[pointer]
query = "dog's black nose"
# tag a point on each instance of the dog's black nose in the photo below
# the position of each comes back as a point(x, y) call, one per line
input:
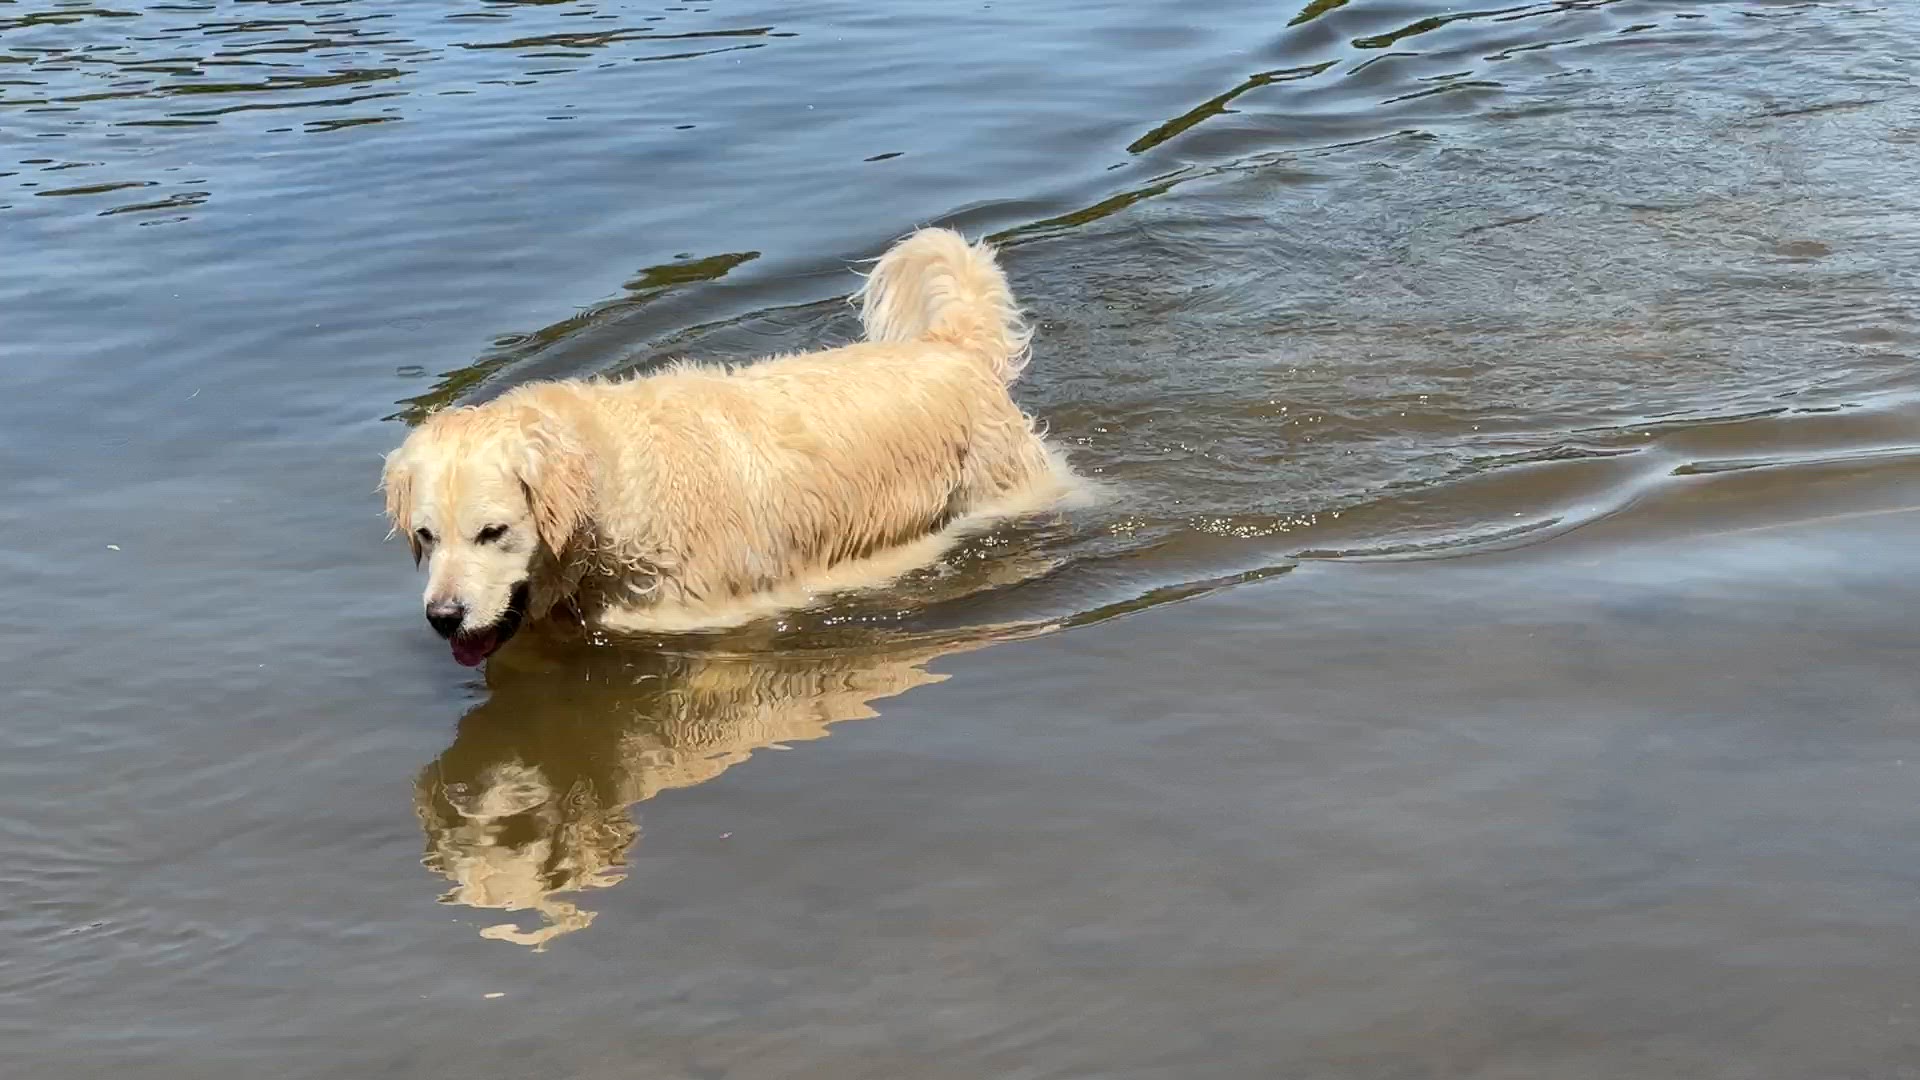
point(445, 616)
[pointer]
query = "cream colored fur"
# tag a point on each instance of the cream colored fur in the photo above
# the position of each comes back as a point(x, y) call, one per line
point(702, 496)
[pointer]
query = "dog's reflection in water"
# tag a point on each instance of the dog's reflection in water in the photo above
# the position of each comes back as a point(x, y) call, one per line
point(531, 802)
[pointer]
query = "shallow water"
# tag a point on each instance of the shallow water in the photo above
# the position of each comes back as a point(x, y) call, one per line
point(1549, 367)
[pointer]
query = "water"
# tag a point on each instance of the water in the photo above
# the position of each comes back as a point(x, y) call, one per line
point(1520, 395)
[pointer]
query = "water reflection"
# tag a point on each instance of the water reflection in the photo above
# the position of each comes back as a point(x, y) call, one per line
point(531, 803)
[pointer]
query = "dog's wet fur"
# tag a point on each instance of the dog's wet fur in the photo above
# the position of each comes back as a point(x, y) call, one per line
point(703, 496)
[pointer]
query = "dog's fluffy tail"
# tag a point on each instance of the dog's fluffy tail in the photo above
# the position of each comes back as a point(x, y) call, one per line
point(934, 286)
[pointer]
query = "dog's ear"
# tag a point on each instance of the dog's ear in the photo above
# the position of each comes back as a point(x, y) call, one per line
point(396, 479)
point(558, 479)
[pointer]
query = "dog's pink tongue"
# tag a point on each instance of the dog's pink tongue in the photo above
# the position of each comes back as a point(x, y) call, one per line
point(470, 651)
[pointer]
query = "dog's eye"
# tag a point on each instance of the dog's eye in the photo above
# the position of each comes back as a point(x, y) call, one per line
point(491, 533)
point(425, 535)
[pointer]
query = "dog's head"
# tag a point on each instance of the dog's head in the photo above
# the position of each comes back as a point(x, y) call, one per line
point(482, 495)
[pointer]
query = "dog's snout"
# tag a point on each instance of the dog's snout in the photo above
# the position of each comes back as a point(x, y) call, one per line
point(445, 617)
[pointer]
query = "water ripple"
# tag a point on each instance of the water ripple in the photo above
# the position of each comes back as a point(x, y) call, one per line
point(86, 75)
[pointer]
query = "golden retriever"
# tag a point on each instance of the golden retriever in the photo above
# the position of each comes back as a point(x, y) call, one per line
point(698, 496)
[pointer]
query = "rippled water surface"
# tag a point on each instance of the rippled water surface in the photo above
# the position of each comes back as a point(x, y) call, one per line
point(1523, 393)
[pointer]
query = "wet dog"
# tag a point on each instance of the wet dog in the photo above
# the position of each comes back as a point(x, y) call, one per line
point(702, 496)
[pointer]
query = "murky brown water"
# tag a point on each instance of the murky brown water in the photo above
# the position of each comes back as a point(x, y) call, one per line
point(1522, 397)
